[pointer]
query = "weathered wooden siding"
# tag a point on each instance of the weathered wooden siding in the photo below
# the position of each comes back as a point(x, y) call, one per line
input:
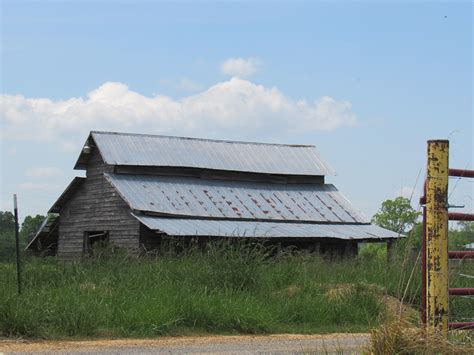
point(96, 206)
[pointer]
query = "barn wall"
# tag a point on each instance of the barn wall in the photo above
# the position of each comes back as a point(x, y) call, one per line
point(149, 240)
point(96, 206)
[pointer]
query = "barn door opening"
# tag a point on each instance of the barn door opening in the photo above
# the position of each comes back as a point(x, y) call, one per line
point(93, 240)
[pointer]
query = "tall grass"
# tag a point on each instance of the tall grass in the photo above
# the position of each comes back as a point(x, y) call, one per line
point(404, 334)
point(221, 288)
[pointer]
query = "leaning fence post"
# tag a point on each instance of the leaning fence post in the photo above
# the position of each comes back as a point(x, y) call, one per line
point(437, 236)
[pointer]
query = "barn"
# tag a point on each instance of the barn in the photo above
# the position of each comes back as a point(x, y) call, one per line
point(140, 188)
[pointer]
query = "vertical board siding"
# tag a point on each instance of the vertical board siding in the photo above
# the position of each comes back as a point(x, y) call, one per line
point(96, 206)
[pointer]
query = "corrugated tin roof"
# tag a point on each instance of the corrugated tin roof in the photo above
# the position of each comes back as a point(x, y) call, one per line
point(194, 197)
point(166, 151)
point(201, 227)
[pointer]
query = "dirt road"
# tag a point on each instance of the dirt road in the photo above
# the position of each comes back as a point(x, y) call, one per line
point(272, 344)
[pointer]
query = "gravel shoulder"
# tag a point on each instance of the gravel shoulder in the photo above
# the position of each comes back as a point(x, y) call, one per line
point(260, 344)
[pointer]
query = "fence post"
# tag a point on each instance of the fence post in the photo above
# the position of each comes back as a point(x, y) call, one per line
point(437, 311)
point(17, 245)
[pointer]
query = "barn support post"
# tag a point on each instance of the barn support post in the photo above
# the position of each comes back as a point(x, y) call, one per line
point(437, 311)
point(317, 247)
point(390, 249)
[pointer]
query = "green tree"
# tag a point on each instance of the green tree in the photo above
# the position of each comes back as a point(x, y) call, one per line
point(396, 215)
point(458, 238)
point(30, 226)
point(7, 221)
point(7, 236)
point(7, 233)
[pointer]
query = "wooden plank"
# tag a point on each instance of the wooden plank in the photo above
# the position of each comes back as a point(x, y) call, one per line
point(96, 208)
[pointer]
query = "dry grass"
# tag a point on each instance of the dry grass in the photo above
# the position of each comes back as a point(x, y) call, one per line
point(402, 331)
point(343, 290)
point(399, 310)
point(400, 337)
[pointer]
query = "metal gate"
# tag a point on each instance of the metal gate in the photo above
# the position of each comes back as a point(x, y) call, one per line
point(435, 254)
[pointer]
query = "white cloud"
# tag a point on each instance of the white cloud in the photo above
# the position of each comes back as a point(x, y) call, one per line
point(43, 172)
point(189, 85)
point(240, 67)
point(226, 109)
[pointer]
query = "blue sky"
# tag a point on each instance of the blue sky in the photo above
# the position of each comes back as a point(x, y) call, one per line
point(366, 82)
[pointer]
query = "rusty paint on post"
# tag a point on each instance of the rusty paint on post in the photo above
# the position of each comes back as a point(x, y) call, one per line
point(437, 311)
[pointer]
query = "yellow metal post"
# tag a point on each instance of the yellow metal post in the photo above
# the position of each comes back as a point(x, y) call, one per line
point(437, 236)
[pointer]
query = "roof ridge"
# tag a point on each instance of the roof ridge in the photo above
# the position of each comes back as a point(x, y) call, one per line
point(202, 139)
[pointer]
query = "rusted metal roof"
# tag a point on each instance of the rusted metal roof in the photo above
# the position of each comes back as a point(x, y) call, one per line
point(167, 151)
point(202, 227)
point(225, 199)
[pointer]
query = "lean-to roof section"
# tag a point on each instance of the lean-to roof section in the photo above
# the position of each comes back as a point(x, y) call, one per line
point(225, 228)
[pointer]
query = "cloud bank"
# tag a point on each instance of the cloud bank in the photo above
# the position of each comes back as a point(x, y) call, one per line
point(229, 108)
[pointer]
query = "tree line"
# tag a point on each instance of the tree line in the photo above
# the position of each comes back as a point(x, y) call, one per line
point(28, 228)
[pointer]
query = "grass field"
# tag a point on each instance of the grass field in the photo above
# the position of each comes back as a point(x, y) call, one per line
point(223, 289)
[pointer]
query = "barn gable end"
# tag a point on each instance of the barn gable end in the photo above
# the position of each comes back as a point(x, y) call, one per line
point(95, 207)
